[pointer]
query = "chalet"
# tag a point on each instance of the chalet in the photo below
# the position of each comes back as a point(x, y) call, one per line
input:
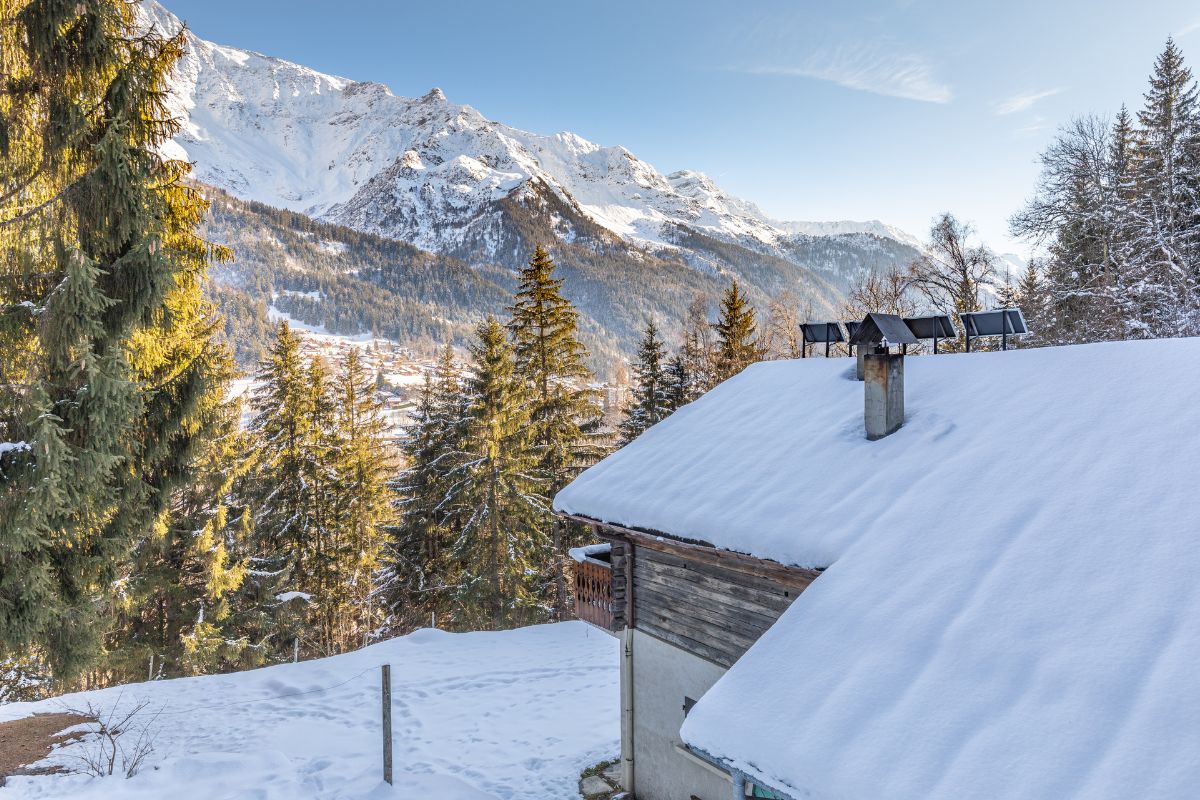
point(992, 595)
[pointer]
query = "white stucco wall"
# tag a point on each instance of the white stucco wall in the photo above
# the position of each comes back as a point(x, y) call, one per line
point(663, 675)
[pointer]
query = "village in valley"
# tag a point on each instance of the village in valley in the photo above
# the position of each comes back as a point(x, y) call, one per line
point(356, 442)
point(399, 372)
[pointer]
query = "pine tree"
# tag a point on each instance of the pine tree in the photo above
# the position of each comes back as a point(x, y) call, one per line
point(177, 600)
point(1166, 270)
point(99, 297)
point(550, 358)
point(681, 387)
point(651, 403)
point(419, 565)
point(364, 498)
point(499, 490)
point(565, 413)
point(736, 347)
point(280, 492)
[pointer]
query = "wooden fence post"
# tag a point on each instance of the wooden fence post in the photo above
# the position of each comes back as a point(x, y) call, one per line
point(387, 722)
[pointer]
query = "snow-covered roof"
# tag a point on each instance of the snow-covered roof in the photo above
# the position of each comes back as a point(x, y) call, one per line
point(1011, 604)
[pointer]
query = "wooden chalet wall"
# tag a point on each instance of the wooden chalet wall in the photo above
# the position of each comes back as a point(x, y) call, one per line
point(712, 604)
point(709, 602)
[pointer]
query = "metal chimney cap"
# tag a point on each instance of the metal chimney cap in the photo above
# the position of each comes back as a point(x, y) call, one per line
point(883, 328)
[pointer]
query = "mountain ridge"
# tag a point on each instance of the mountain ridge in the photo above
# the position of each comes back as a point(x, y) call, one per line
point(331, 139)
point(632, 243)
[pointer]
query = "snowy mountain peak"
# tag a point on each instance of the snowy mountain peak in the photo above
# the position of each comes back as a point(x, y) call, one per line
point(426, 170)
point(843, 227)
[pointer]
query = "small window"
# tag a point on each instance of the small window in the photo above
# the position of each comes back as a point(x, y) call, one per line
point(687, 705)
point(754, 790)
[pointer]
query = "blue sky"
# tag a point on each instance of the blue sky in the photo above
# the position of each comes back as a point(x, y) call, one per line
point(853, 110)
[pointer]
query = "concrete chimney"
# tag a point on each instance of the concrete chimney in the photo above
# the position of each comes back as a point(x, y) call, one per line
point(883, 379)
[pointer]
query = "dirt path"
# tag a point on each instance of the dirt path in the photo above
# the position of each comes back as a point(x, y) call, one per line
point(29, 740)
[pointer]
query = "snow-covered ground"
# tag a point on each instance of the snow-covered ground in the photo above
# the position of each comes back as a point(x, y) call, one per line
point(512, 715)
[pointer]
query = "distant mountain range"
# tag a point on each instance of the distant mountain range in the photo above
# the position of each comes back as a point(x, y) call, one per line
point(466, 190)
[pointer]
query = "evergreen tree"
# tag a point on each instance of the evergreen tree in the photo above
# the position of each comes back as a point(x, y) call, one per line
point(736, 347)
point(419, 567)
point(280, 403)
point(681, 387)
point(365, 500)
point(651, 402)
point(1081, 211)
point(177, 601)
point(550, 358)
point(1166, 269)
point(280, 492)
point(107, 356)
point(1031, 299)
point(565, 411)
point(499, 491)
point(320, 548)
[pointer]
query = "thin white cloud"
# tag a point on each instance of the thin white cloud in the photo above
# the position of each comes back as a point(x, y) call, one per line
point(868, 69)
point(1024, 102)
point(1191, 27)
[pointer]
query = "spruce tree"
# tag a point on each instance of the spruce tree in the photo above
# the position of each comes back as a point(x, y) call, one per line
point(280, 404)
point(99, 297)
point(1166, 268)
point(681, 386)
point(1031, 298)
point(651, 402)
point(279, 492)
point(499, 491)
point(736, 347)
point(177, 600)
point(364, 498)
point(406, 582)
point(420, 565)
point(550, 359)
point(565, 413)
point(320, 548)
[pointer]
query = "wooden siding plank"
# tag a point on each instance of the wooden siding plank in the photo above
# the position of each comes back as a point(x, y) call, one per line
point(751, 624)
point(729, 573)
point(734, 593)
point(722, 656)
point(684, 592)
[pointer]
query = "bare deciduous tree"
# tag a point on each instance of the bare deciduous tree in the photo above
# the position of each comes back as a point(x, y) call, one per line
point(781, 336)
point(952, 273)
point(888, 293)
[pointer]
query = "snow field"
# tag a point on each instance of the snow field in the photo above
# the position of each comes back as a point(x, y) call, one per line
point(511, 715)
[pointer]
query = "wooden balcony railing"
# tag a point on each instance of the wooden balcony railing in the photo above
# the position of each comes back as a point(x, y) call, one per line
point(593, 587)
